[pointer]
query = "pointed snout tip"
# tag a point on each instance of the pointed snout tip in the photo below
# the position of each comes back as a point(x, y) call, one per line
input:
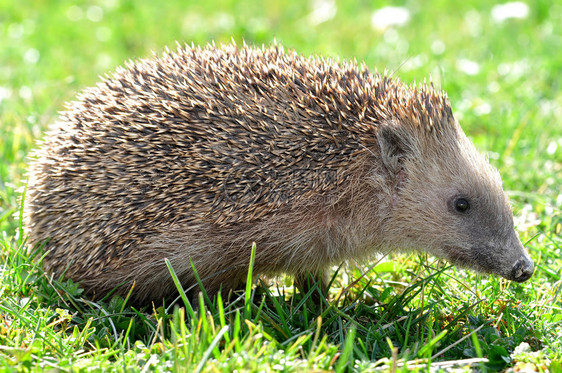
point(522, 269)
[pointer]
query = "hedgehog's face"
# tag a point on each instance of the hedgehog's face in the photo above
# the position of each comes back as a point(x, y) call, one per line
point(472, 224)
point(452, 205)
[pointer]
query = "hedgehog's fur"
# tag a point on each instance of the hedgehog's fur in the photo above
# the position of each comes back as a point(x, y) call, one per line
point(195, 155)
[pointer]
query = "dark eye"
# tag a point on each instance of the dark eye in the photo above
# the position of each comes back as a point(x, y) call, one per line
point(461, 205)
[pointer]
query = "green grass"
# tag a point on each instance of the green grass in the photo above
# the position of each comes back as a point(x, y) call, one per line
point(409, 311)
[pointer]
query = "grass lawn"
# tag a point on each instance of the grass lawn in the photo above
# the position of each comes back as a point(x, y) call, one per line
point(501, 67)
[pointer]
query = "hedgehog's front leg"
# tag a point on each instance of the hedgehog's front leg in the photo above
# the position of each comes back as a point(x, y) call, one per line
point(314, 283)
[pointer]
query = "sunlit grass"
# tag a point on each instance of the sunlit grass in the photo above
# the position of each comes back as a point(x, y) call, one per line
point(410, 312)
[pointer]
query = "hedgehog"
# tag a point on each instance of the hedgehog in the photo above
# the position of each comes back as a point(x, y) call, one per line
point(193, 155)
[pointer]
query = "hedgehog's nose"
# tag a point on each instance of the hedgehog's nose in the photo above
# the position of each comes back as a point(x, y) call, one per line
point(522, 269)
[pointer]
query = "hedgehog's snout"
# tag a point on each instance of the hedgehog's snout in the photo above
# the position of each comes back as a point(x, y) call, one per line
point(522, 269)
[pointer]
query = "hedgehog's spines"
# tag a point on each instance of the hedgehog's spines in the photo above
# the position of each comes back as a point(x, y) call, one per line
point(230, 125)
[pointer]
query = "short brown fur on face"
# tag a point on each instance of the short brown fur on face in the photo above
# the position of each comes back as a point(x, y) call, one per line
point(436, 174)
point(194, 155)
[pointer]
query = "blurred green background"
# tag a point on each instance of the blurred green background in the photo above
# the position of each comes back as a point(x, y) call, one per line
point(500, 66)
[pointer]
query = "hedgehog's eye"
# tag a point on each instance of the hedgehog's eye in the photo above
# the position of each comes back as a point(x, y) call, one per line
point(461, 205)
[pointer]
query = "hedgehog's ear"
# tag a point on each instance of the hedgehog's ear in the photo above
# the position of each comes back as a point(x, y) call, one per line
point(394, 147)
